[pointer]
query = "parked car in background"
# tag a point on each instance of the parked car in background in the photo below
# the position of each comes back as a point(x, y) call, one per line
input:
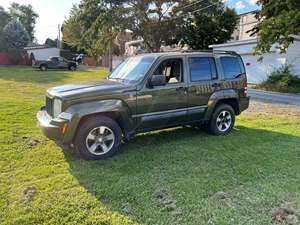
point(55, 63)
point(78, 58)
point(147, 92)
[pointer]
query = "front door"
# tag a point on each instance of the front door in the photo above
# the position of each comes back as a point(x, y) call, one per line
point(162, 106)
point(203, 82)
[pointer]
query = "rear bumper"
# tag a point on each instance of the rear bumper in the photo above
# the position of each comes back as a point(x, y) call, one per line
point(244, 103)
point(52, 128)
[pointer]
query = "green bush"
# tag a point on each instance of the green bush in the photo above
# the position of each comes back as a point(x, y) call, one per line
point(281, 80)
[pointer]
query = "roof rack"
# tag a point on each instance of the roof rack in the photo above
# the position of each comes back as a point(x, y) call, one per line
point(210, 51)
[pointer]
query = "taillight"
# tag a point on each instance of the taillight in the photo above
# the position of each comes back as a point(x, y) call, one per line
point(245, 92)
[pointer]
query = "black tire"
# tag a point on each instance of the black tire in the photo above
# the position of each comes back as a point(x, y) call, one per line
point(213, 126)
point(72, 68)
point(43, 67)
point(88, 126)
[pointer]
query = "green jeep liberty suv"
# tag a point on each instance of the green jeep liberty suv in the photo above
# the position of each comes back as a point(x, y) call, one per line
point(147, 92)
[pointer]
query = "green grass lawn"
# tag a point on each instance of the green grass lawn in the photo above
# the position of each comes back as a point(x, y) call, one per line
point(175, 176)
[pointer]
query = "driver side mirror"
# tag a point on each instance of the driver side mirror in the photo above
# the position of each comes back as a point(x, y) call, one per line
point(157, 80)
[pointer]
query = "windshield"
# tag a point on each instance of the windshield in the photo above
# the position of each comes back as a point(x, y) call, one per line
point(132, 69)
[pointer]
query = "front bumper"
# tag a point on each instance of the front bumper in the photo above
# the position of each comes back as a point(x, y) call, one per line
point(52, 127)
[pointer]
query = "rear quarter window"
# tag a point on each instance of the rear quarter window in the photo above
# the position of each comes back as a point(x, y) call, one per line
point(232, 67)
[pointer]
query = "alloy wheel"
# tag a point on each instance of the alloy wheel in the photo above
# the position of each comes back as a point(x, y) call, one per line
point(100, 140)
point(224, 121)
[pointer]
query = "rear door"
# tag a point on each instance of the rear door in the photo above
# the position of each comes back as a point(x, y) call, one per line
point(203, 82)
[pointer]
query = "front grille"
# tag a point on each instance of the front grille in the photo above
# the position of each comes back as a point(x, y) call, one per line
point(49, 105)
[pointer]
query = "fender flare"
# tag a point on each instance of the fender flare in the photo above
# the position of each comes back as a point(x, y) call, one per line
point(216, 97)
point(113, 106)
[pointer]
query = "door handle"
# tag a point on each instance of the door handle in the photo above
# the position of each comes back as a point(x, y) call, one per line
point(184, 89)
point(216, 85)
point(180, 89)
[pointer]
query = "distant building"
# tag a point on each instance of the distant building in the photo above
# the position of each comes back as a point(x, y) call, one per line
point(246, 22)
point(244, 44)
point(42, 52)
point(258, 71)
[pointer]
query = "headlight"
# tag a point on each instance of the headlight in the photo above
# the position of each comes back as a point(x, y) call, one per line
point(57, 107)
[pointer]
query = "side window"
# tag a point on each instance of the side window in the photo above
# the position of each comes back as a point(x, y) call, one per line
point(172, 69)
point(202, 68)
point(54, 60)
point(231, 67)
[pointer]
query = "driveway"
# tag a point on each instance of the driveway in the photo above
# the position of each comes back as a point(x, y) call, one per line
point(273, 97)
point(270, 103)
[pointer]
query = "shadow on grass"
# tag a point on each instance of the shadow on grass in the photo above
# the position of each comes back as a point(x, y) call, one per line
point(187, 162)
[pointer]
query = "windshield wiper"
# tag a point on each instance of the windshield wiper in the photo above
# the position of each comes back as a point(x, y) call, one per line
point(116, 79)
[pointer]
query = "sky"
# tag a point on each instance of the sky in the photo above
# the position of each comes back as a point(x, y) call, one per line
point(54, 12)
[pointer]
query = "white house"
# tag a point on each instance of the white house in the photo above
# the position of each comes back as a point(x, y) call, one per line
point(42, 52)
point(244, 44)
point(258, 71)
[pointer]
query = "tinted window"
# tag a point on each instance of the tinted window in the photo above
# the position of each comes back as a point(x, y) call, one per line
point(203, 68)
point(231, 67)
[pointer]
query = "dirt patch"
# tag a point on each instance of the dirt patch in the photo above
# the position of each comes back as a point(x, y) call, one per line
point(29, 193)
point(31, 142)
point(286, 214)
point(268, 108)
point(168, 203)
point(224, 198)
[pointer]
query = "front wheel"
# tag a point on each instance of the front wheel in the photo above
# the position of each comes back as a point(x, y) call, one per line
point(98, 138)
point(222, 120)
point(43, 68)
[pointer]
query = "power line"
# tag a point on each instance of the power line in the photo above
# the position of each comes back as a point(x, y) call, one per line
point(197, 10)
point(186, 6)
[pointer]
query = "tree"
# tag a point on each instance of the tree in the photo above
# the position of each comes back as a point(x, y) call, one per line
point(4, 18)
point(51, 43)
point(15, 35)
point(278, 20)
point(72, 31)
point(156, 21)
point(25, 15)
point(95, 24)
point(213, 26)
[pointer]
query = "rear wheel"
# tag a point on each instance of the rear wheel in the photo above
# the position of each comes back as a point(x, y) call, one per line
point(72, 68)
point(222, 120)
point(98, 138)
point(43, 67)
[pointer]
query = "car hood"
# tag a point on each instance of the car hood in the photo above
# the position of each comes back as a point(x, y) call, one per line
point(87, 89)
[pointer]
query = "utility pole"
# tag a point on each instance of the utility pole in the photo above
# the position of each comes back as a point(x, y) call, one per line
point(58, 39)
point(110, 56)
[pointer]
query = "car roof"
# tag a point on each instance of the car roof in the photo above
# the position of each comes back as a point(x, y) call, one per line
point(189, 53)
